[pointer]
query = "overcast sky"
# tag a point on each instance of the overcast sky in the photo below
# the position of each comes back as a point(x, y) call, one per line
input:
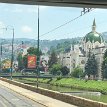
point(23, 18)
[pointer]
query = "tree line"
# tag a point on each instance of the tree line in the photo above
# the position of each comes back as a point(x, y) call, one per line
point(91, 66)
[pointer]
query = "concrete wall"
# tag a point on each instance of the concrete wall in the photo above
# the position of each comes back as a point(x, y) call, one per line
point(81, 102)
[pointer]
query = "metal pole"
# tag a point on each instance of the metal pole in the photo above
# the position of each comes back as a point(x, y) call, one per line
point(12, 54)
point(38, 49)
point(22, 54)
point(1, 58)
point(22, 45)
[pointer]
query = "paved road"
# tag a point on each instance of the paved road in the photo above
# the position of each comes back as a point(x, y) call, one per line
point(41, 99)
point(8, 98)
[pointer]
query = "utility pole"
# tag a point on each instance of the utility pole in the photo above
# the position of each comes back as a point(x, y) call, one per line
point(12, 54)
point(22, 47)
point(38, 50)
point(11, 66)
point(1, 57)
point(22, 54)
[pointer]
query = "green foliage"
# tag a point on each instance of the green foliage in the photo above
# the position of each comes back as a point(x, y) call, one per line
point(105, 72)
point(25, 61)
point(105, 54)
point(64, 45)
point(53, 59)
point(77, 72)
point(20, 61)
point(33, 51)
point(30, 51)
point(55, 69)
point(59, 77)
point(91, 67)
point(6, 70)
point(59, 72)
point(65, 70)
point(91, 85)
point(104, 65)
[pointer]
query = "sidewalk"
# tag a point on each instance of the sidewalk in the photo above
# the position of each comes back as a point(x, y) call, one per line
point(44, 100)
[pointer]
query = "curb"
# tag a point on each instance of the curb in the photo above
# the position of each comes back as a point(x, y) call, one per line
point(25, 95)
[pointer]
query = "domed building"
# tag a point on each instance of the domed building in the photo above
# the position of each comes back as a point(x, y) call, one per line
point(92, 42)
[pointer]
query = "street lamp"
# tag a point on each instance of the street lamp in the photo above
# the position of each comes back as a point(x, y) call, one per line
point(10, 28)
point(1, 51)
point(1, 48)
point(1, 57)
point(11, 66)
point(38, 50)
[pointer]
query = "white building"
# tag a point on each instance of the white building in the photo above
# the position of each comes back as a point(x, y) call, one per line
point(78, 55)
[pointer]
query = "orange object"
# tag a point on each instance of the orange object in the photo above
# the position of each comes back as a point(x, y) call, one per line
point(31, 61)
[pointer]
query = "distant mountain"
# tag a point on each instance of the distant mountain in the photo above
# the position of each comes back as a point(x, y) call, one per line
point(104, 34)
point(43, 43)
point(62, 45)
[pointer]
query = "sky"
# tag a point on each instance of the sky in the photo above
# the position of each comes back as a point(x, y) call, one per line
point(24, 20)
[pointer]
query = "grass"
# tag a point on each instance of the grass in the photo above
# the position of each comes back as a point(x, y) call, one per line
point(91, 85)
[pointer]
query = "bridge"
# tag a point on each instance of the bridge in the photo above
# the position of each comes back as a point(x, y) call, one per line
point(9, 98)
point(71, 3)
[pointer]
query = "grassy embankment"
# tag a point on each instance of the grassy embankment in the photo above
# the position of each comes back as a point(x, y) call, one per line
point(91, 85)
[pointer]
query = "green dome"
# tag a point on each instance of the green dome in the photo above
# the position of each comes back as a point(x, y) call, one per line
point(93, 37)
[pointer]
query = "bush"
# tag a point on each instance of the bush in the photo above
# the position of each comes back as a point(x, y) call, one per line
point(59, 78)
point(6, 70)
point(78, 72)
point(55, 70)
point(65, 70)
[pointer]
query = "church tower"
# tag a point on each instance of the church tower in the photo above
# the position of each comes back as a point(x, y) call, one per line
point(94, 26)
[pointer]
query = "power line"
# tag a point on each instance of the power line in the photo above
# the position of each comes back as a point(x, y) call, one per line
point(68, 22)
point(60, 26)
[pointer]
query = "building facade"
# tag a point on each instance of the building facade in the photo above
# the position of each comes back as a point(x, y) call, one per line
point(92, 42)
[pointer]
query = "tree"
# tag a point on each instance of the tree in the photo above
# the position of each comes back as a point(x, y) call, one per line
point(104, 73)
point(52, 48)
point(65, 70)
point(20, 61)
point(55, 69)
point(30, 51)
point(77, 72)
point(104, 65)
point(91, 67)
point(25, 61)
point(33, 51)
point(53, 59)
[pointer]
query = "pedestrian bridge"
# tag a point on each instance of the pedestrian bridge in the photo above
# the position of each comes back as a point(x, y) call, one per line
point(42, 96)
point(73, 3)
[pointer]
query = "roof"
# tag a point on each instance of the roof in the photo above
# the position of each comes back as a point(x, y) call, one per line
point(71, 3)
point(93, 37)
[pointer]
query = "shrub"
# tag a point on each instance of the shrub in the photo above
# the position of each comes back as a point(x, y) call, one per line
point(59, 78)
point(78, 72)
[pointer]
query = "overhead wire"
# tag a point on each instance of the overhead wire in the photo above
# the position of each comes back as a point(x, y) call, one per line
point(86, 28)
point(65, 23)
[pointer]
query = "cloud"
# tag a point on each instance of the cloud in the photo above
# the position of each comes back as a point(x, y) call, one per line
point(26, 29)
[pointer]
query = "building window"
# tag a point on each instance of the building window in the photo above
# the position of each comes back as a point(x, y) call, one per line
point(82, 62)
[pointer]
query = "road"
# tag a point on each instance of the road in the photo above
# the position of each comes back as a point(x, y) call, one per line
point(9, 98)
